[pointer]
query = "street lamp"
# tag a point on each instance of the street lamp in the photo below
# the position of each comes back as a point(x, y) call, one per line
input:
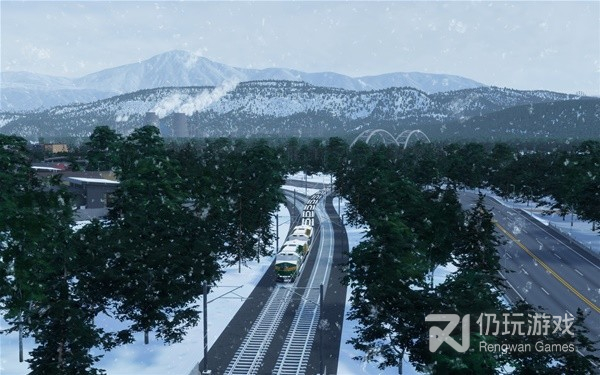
point(530, 193)
point(513, 194)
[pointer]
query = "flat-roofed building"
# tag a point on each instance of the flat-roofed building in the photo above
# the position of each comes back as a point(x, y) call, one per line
point(56, 148)
point(91, 193)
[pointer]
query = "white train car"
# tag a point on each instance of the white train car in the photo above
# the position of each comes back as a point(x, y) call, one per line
point(289, 260)
point(294, 251)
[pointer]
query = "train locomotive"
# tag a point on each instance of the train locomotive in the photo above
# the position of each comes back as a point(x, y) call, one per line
point(295, 249)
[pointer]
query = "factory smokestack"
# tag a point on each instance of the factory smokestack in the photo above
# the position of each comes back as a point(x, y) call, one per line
point(180, 125)
point(151, 119)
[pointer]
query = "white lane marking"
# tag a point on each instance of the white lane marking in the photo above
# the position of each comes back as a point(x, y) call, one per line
point(556, 255)
point(537, 224)
point(576, 270)
point(511, 286)
point(545, 291)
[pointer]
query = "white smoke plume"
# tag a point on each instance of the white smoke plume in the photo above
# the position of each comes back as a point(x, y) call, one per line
point(122, 118)
point(181, 103)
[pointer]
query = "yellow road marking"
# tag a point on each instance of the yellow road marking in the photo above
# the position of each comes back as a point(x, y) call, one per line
point(550, 270)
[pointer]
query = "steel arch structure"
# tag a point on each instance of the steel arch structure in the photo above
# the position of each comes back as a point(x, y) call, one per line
point(404, 137)
point(401, 140)
point(368, 134)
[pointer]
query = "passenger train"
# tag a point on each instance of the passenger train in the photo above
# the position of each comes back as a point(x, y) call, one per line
point(296, 248)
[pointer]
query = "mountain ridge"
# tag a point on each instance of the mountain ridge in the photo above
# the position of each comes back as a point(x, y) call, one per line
point(29, 91)
point(287, 108)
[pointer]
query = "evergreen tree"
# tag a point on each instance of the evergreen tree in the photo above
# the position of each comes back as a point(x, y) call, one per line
point(475, 289)
point(102, 149)
point(159, 263)
point(410, 233)
point(40, 269)
point(587, 158)
point(582, 360)
point(248, 180)
point(335, 152)
point(466, 164)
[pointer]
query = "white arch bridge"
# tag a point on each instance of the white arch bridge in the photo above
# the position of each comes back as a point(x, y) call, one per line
point(387, 138)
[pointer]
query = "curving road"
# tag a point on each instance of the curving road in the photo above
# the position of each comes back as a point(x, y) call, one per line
point(545, 268)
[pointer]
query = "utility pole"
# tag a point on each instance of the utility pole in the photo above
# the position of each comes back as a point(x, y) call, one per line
point(206, 371)
point(305, 184)
point(20, 337)
point(277, 232)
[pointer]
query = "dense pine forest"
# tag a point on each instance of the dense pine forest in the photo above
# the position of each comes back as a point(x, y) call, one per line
point(183, 210)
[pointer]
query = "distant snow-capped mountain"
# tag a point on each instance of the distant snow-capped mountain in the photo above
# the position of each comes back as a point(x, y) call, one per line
point(27, 91)
point(289, 108)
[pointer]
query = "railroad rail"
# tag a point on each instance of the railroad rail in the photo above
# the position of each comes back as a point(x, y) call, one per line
point(294, 356)
point(295, 353)
point(248, 358)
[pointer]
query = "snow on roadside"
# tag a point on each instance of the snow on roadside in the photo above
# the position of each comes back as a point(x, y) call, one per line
point(301, 191)
point(318, 178)
point(347, 365)
point(156, 357)
point(580, 231)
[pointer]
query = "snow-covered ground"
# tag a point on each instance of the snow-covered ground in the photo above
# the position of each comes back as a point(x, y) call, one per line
point(347, 365)
point(319, 178)
point(157, 358)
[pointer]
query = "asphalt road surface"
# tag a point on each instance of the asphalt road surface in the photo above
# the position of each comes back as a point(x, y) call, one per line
point(543, 267)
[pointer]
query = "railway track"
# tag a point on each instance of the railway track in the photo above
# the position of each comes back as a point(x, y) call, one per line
point(295, 353)
point(248, 358)
point(294, 356)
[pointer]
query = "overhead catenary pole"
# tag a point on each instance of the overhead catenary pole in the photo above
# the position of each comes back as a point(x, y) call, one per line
point(21, 337)
point(340, 209)
point(239, 234)
point(205, 321)
point(277, 232)
point(305, 184)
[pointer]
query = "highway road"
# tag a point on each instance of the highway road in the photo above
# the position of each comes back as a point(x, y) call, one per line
point(545, 268)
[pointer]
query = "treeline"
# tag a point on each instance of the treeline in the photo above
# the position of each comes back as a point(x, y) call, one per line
point(564, 177)
point(408, 201)
point(183, 210)
point(178, 216)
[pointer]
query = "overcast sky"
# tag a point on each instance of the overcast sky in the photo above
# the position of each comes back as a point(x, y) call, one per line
point(524, 45)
